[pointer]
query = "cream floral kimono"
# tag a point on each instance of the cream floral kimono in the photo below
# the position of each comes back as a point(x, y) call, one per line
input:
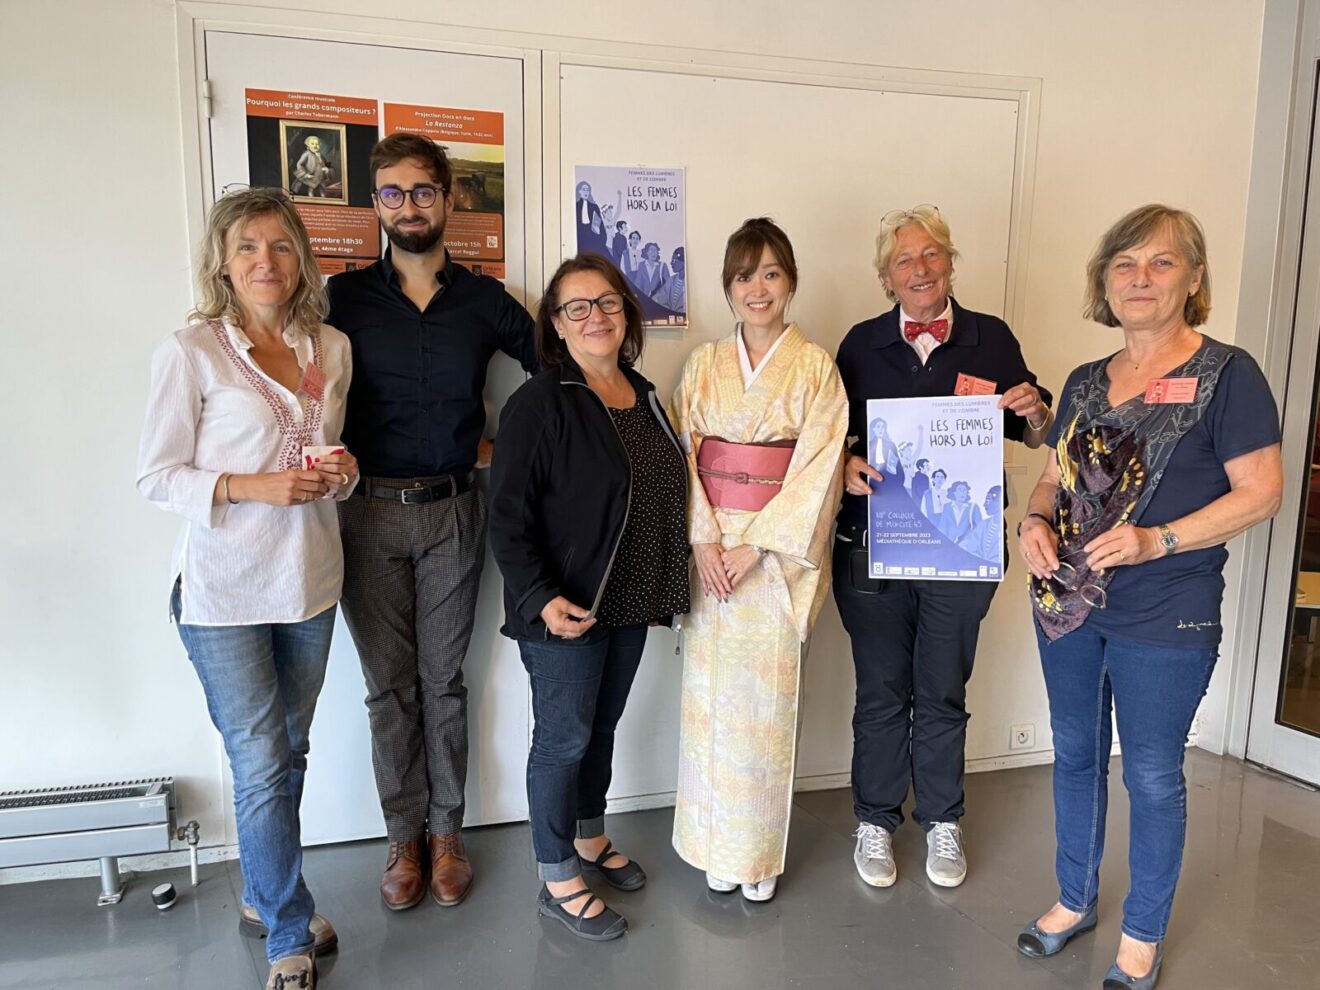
point(742, 659)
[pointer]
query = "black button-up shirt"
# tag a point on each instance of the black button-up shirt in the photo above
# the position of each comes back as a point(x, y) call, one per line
point(415, 404)
point(875, 362)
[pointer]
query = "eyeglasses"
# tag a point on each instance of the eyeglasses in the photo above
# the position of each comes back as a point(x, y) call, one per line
point(1092, 594)
point(925, 211)
point(578, 310)
point(393, 196)
point(234, 187)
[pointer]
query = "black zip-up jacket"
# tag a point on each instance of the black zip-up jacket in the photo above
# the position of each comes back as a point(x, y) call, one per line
point(560, 487)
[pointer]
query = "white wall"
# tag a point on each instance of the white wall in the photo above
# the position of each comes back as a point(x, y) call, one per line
point(1139, 102)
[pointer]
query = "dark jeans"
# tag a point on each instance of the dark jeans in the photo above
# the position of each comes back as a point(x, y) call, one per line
point(1154, 692)
point(411, 574)
point(579, 690)
point(913, 645)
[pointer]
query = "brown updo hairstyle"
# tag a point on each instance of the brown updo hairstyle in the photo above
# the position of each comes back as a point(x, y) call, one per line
point(742, 253)
point(550, 350)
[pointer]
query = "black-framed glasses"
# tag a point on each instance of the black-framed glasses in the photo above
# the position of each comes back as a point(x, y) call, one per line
point(578, 310)
point(923, 211)
point(422, 195)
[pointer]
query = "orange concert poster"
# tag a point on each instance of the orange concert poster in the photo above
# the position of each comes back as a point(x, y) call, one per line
point(316, 147)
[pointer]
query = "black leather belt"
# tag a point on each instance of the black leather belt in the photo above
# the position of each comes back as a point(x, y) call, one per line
point(415, 491)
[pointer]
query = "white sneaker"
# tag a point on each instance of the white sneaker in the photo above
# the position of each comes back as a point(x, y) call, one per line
point(720, 886)
point(874, 855)
point(760, 891)
point(946, 864)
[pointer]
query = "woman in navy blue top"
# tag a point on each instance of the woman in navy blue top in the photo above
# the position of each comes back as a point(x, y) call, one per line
point(1163, 451)
point(914, 641)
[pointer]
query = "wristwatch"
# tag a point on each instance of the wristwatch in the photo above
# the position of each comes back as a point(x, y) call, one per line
point(1168, 538)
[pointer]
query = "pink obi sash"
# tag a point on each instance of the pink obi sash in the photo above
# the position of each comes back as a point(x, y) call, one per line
point(742, 475)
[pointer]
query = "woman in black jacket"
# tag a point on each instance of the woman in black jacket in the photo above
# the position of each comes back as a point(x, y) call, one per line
point(589, 488)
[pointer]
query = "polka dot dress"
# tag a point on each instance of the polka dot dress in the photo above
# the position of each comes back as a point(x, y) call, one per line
point(649, 579)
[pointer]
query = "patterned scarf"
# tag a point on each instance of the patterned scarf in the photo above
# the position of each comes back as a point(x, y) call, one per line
point(1111, 460)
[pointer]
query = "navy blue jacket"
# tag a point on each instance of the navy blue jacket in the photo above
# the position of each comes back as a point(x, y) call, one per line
point(875, 362)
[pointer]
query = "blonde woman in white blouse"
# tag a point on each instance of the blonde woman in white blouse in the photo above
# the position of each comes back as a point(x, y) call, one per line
point(235, 397)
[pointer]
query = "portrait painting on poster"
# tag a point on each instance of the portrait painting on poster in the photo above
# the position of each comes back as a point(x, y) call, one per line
point(635, 216)
point(938, 515)
point(315, 170)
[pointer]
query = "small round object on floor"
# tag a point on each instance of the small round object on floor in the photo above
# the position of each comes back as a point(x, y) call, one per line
point(163, 896)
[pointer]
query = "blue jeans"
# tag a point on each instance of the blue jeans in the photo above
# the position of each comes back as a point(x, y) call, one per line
point(579, 690)
point(261, 683)
point(1154, 690)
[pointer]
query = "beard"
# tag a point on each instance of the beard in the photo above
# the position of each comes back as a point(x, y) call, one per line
point(415, 241)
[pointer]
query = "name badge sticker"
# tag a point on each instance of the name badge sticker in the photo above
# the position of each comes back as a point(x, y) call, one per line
point(313, 382)
point(971, 385)
point(1163, 391)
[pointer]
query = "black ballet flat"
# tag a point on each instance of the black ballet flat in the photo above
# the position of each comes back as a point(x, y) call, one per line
point(604, 927)
point(629, 876)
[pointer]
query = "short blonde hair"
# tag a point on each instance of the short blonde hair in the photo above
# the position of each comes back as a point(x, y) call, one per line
point(309, 305)
point(926, 217)
point(1136, 229)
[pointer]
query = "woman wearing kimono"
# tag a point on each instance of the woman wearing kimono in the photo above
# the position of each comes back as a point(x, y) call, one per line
point(763, 415)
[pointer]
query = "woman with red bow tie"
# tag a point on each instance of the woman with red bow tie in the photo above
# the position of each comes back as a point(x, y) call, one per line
point(914, 640)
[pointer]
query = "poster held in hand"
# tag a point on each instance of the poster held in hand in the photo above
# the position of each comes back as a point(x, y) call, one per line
point(939, 513)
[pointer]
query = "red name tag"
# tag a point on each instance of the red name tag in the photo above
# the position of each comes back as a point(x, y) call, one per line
point(1161, 391)
point(313, 382)
point(971, 385)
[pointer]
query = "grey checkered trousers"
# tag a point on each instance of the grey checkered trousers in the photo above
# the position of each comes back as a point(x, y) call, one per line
point(411, 575)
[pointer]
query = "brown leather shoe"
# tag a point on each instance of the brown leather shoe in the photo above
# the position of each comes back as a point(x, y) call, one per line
point(251, 925)
point(451, 873)
point(404, 883)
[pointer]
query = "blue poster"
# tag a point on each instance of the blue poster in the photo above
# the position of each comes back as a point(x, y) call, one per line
point(634, 215)
point(939, 513)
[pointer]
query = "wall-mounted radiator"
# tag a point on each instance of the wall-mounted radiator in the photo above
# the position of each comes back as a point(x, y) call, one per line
point(94, 821)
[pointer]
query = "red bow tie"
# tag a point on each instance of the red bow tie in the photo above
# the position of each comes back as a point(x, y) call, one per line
point(939, 329)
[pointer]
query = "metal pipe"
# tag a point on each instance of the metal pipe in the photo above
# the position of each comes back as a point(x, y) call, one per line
point(112, 890)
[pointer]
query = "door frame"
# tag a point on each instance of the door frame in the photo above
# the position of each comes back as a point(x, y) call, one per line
point(1283, 158)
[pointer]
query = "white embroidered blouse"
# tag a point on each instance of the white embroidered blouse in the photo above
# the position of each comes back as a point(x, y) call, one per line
point(213, 410)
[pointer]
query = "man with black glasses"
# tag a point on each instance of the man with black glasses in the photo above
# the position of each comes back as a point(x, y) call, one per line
point(423, 331)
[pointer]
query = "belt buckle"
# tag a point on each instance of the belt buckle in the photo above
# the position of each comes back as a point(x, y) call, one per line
point(415, 490)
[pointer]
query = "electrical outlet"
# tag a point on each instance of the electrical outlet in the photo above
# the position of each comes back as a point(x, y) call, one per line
point(1022, 736)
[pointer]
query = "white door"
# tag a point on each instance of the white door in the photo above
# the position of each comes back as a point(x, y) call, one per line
point(340, 801)
point(1284, 731)
point(803, 155)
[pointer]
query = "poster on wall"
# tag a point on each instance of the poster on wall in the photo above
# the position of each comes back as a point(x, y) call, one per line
point(474, 142)
point(635, 217)
point(939, 513)
point(316, 148)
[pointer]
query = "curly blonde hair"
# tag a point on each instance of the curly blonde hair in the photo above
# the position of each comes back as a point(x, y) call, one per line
point(216, 299)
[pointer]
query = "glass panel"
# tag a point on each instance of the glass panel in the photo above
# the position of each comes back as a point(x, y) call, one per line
point(1299, 683)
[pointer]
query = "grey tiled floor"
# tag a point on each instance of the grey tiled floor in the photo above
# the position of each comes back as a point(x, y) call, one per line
point(1245, 915)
